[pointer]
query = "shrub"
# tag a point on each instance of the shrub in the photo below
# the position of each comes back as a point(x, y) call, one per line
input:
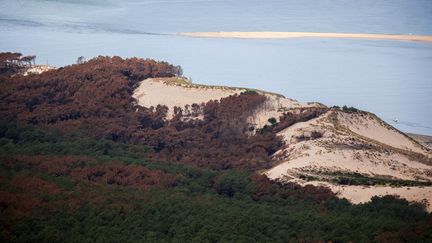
point(349, 109)
point(272, 120)
point(249, 92)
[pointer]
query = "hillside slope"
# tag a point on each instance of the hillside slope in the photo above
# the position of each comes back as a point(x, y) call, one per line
point(110, 150)
point(357, 155)
point(354, 153)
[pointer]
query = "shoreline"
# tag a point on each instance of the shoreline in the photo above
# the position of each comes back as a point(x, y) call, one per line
point(290, 35)
point(425, 140)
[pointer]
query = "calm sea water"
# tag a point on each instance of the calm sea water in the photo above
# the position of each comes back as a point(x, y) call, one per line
point(390, 78)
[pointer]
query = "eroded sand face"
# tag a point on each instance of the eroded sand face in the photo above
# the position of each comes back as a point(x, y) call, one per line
point(274, 107)
point(289, 35)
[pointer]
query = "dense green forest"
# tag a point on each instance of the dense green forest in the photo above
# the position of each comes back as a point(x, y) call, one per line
point(76, 189)
point(81, 162)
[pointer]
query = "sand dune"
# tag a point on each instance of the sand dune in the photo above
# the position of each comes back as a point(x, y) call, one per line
point(353, 143)
point(288, 35)
point(350, 142)
point(181, 92)
point(178, 92)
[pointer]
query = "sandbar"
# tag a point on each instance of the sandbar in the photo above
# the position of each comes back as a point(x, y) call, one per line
point(289, 35)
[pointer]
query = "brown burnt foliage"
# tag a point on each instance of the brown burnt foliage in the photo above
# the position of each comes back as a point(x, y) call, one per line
point(85, 168)
point(119, 174)
point(219, 141)
point(96, 97)
point(27, 194)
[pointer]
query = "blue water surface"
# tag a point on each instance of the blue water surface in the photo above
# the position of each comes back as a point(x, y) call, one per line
point(390, 78)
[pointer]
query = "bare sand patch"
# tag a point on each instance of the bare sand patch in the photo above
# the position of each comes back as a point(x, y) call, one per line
point(38, 69)
point(363, 194)
point(290, 35)
point(370, 127)
point(162, 91)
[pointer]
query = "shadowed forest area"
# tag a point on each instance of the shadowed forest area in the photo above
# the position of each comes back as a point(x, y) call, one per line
point(81, 161)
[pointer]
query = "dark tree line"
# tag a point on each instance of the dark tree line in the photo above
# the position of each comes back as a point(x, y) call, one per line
point(13, 63)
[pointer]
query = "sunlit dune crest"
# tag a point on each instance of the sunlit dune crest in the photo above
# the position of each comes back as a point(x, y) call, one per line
point(288, 35)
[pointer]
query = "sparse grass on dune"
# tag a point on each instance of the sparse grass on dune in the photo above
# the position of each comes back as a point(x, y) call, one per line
point(410, 154)
point(184, 82)
point(354, 178)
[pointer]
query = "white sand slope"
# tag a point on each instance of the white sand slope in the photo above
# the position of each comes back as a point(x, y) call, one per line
point(370, 127)
point(353, 143)
point(178, 92)
point(290, 35)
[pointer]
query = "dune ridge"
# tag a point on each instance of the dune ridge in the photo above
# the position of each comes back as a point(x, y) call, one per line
point(353, 153)
point(289, 35)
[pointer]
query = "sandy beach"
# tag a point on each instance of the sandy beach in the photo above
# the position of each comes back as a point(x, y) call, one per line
point(289, 35)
